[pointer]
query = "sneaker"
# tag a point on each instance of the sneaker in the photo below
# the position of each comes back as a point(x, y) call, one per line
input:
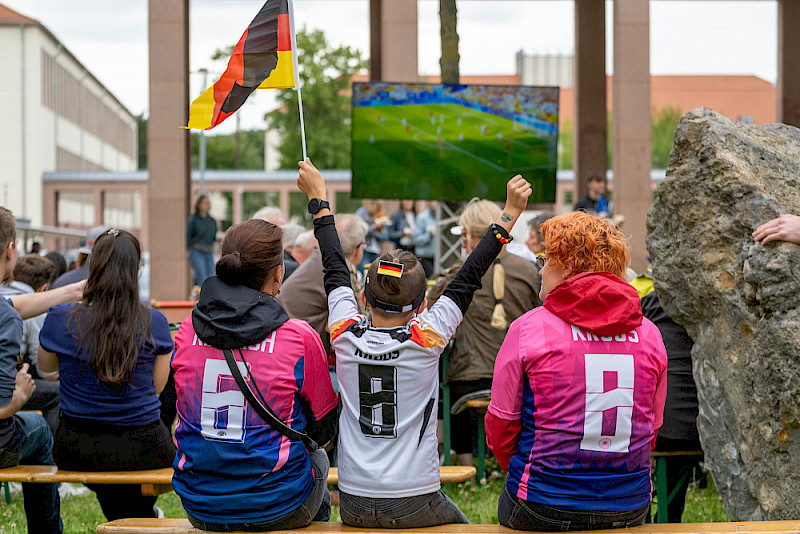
point(158, 511)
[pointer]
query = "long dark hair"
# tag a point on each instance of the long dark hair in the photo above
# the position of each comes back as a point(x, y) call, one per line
point(110, 321)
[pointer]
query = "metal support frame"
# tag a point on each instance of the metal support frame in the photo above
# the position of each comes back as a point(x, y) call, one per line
point(448, 246)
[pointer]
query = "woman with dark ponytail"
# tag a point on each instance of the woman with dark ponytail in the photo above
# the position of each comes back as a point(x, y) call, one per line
point(112, 353)
point(234, 470)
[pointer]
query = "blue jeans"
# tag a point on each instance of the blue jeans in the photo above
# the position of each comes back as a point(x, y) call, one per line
point(33, 444)
point(202, 265)
point(316, 507)
point(426, 510)
point(519, 514)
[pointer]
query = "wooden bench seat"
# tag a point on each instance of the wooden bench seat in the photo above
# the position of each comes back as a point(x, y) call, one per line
point(157, 481)
point(182, 526)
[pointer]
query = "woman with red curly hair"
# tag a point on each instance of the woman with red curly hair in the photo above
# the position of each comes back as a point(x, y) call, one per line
point(579, 389)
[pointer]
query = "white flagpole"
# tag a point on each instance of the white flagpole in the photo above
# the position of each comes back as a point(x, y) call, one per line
point(297, 79)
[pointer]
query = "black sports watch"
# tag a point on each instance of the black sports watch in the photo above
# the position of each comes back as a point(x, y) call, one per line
point(317, 204)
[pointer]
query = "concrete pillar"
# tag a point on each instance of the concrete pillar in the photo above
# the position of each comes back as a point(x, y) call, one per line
point(788, 60)
point(168, 160)
point(393, 40)
point(589, 153)
point(631, 122)
point(98, 200)
point(283, 200)
point(238, 203)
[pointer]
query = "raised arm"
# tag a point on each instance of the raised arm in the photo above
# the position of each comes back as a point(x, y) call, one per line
point(468, 279)
point(311, 182)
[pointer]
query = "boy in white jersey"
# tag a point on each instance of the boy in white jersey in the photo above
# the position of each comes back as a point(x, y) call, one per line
point(388, 368)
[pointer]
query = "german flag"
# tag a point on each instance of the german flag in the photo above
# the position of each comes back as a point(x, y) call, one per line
point(387, 268)
point(262, 59)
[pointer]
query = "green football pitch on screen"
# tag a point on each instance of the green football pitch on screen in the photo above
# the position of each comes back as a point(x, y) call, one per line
point(446, 152)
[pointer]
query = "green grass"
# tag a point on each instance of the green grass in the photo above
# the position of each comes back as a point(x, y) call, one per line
point(428, 158)
point(82, 514)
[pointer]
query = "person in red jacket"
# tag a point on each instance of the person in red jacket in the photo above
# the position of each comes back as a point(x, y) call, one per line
point(579, 389)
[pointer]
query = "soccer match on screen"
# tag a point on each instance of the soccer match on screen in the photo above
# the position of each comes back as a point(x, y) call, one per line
point(453, 142)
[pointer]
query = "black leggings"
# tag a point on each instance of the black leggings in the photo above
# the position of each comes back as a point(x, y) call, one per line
point(85, 445)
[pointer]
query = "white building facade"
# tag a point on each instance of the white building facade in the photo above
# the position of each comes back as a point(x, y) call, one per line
point(58, 117)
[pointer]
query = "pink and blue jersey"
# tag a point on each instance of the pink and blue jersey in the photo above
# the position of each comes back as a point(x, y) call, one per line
point(574, 411)
point(232, 467)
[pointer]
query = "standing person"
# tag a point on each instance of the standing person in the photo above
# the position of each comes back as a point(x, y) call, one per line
point(388, 369)
point(424, 237)
point(59, 266)
point(290, 234)
point(112, 354)
point(201, 234)
point(236, 472)
point(563, 367)
point(508, 290)
point(402, 226)
point(594, 202)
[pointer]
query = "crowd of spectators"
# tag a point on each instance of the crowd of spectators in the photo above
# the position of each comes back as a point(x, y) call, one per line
point(305, 315)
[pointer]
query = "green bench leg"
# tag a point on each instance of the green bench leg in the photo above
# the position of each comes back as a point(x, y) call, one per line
point(662, 491)
point(7, 493)
point(481, 448)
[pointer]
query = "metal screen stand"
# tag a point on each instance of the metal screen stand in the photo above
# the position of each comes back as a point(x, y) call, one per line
point(448, 246)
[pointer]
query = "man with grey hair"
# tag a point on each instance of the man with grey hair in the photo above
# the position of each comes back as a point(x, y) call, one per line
point(290, 234)
point(305, 244)
point(271, 214)
point(303, 296)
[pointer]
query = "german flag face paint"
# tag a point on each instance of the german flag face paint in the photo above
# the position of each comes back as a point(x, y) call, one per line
point(388, 268)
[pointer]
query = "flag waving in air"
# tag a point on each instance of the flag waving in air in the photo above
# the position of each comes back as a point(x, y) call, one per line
point(262, 59)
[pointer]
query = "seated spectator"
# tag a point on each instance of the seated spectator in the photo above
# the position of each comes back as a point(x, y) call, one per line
point(424, 237)
point(679, 432)
point(561, 369)
point(233, 470)
point(31, 275)
point(271, 214)
point(508, 290)
point(784, 228)
point(59, 266)
point(402, 226)
point(377, 232)
point(290, 234)
point(388, 460)
point(112, 354)
point(82, 262)
point(24, 436)
point(303, 296)
point(305, 244)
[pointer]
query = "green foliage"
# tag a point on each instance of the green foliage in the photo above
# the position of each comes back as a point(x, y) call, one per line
point(566, 145)
point(221, 150)
point(325, 74)
point(664, 122)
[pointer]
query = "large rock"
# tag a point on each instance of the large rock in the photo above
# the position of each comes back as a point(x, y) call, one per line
point(739, 300)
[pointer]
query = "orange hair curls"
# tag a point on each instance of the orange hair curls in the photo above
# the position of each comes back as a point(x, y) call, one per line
point(580, 242)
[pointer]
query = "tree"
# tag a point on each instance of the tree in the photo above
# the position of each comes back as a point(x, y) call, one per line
point(325, 75)
point(221, 150)
point(664, 122)
point(448, 16)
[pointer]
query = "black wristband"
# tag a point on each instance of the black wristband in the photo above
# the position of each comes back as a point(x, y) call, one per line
point(500, 233)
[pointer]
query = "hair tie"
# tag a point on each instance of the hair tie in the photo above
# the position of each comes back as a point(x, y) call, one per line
point(237, 254)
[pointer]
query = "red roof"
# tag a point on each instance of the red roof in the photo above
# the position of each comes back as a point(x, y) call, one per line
point(9, 16)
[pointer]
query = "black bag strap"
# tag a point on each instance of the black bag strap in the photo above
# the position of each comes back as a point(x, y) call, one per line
point(261, 408)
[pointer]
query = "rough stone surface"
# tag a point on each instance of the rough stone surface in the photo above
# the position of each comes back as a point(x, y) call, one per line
point(739, 300)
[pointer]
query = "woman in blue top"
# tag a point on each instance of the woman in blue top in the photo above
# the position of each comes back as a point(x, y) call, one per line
point(112, 353)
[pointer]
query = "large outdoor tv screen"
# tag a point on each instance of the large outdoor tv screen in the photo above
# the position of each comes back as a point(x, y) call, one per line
point(453, 142)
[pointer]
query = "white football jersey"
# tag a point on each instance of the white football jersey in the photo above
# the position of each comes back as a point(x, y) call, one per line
point(389, 385)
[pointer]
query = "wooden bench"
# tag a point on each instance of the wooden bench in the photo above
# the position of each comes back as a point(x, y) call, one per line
point(661, 491)
point(182, 526)
point(157, 481)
